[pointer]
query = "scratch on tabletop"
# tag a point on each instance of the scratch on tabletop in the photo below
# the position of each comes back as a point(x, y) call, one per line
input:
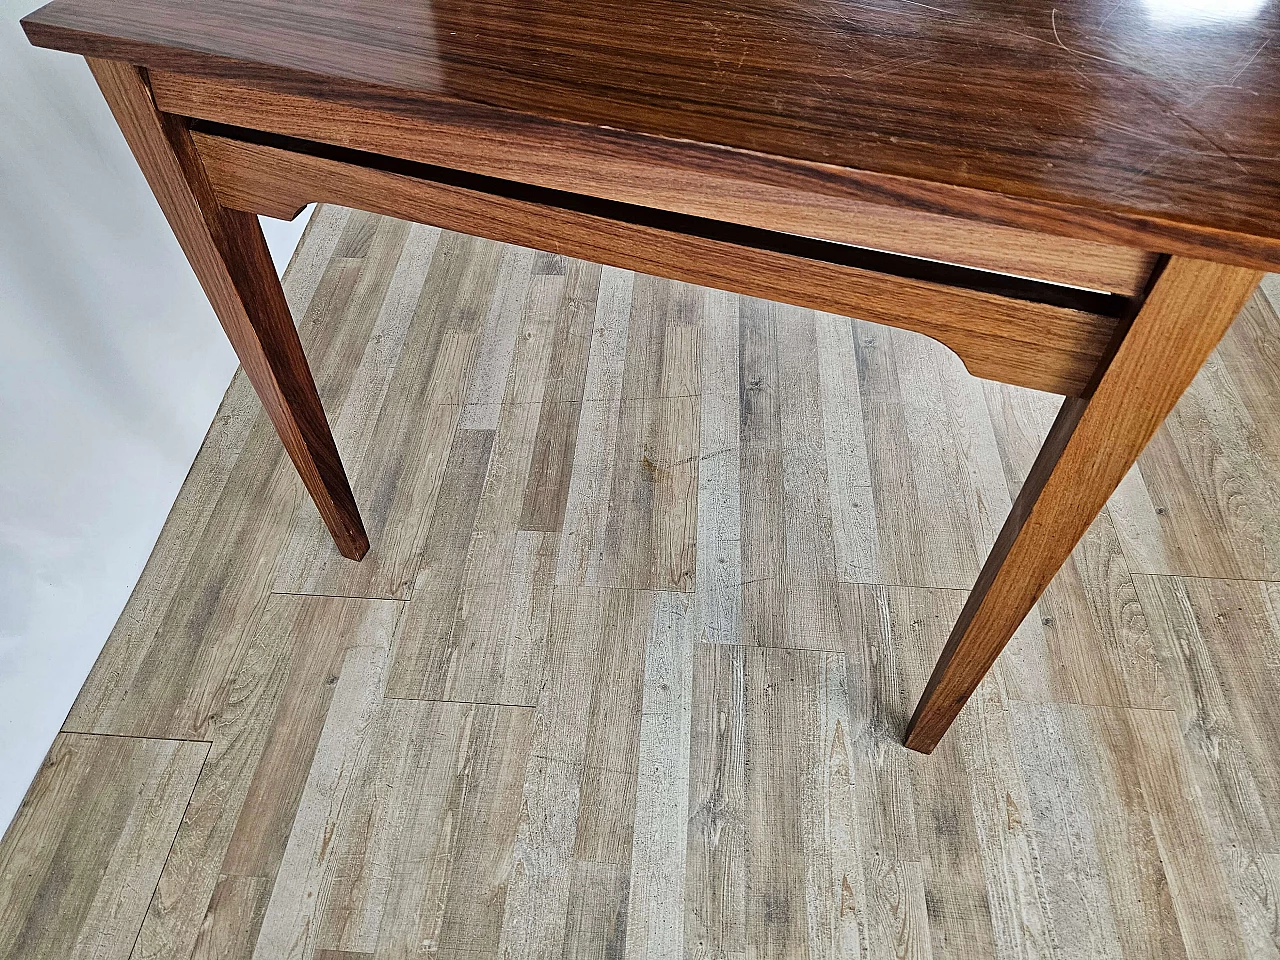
point(1208, 89)
point(1053, 20)
point(882, 70)
point(1236, 76)
point(917, 3)
point(1114, 7)
point(1001, 29)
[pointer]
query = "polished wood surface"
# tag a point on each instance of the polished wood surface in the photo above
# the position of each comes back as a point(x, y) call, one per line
point(229, 255)
point(1118, 120)
point(1045, 346)
point(662, 719)
point(1091, 446)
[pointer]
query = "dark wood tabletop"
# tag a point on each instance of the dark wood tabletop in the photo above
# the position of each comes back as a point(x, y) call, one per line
point(1145, 109)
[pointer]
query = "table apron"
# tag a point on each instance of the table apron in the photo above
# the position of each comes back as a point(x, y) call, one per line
point(1043, 345)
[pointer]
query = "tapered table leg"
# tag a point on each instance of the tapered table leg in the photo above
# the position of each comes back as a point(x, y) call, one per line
point(229, 255)
point(1091, 446)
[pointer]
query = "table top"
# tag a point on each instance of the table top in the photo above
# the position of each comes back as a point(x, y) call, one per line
point(1163, 110)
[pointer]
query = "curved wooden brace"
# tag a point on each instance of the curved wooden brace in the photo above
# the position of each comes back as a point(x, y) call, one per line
point(1019, 339)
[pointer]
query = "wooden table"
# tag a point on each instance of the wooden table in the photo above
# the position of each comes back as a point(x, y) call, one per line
point(1074, 198)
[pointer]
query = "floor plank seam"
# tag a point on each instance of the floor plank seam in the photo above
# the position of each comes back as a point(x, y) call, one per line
point(338, 596)
point(472, 703)
point(896, 586)
point(1198, 576)
point(621, 588)
point(825, 651)
point(1088, 705)
point(172, 843)
point(134, 736)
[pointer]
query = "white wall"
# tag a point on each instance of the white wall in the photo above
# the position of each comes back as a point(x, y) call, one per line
point(111, 367)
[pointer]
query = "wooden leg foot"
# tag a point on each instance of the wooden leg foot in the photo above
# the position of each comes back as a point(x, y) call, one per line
point(230, 257)
point(1091, 446)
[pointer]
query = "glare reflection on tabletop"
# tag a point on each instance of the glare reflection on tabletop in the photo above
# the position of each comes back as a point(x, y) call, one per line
point(1185, 13)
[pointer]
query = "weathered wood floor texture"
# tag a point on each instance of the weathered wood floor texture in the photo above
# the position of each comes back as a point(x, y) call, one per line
point(657, 573)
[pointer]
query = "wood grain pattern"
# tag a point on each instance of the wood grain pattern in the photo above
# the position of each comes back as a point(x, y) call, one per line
point(80, 861)
point(1090, 448)
point(1202, 499)
point(1033, 344)
point(680, 177)
point(598, 770)
point(1011, 112)
point(1089, 619)
point(787, 552)
point(447, 544)
point(452, 775)
point(1217, 637)
point(227, 251)
point(166, 666)
point(918, 469)
point(414, 369)
point(263, 734)
point(547, 490)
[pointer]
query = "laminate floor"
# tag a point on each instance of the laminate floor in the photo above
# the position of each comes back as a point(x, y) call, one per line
point(657, 574)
